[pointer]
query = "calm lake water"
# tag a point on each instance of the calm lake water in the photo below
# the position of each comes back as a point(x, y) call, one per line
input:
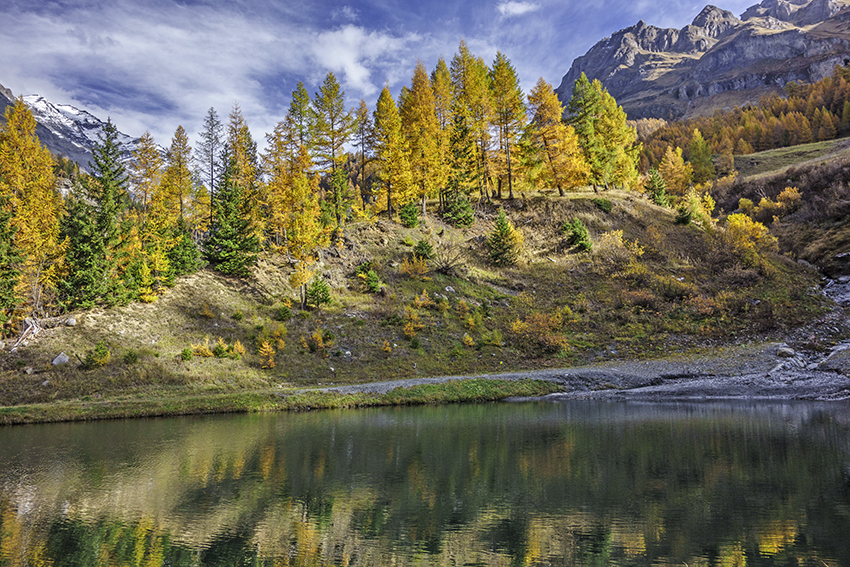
point(575, 483)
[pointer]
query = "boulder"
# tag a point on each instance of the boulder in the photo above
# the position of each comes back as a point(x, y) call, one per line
point(61, 358)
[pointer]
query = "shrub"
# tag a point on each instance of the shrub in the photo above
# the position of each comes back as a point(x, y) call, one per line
point(448, 259)
point(468, 341)
point(492, 338)
point(266, 352)
point(748, 238)
point(541, 331)
point(238, 316)
point(373, 281)
point(656, 188)
point(318, 293)
point(505, 242)
point(187, 354)
point(423, 249)
point(458, 211)
point(603, 205)
point(202, 349)
point(683, 214)
point(131, 357)
point(415, 267)
point(284, 313)
point(577, 235)
point(98, 357)
point(409, 215)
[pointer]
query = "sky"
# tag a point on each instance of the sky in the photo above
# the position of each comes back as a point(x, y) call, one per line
point(152, 65)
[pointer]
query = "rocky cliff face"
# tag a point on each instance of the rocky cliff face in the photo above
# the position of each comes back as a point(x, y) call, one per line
point(719, 60)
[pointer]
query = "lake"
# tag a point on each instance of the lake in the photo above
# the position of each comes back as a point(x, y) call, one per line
point(532, 483)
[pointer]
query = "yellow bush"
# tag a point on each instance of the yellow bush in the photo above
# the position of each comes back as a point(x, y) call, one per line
point(238, 348)
point(203, 350)
point(267, 353)
point(423, 300)
point(748, 238)
point(468, 341)
point(386, 346)
point(462, 308)
point(415, 267)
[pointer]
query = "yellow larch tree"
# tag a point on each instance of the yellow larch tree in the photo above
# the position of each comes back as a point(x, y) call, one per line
point(422, 131)
point(146, 169)
point(392, 152)
point(675, 172)
point(554, 143)
point(29, 184)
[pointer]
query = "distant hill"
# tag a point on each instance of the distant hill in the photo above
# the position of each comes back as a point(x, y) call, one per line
point(65, 130)
point(718, 61)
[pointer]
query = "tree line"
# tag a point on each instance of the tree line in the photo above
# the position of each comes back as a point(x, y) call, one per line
point(123, 232)
point(807, 113)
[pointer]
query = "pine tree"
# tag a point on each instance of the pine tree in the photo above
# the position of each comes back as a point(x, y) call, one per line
point(301, 117)
point(96, 266)
point(609, 143)
point(245, 172)
point(392, 153)
point(504, 244)
point(232, 245)
point(422, 130)
point(27, 182)
point(10, 260)
point(508, 113)
point(700, 156)
point(656, 188)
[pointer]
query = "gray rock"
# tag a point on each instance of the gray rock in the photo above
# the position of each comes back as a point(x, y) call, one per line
point(28, 370)
point(62, 358)
point(785, 352)
point(46, 383)
point(71, 322)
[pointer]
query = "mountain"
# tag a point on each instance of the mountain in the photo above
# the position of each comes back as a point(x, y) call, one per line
point(66, 130)
point(719, 60)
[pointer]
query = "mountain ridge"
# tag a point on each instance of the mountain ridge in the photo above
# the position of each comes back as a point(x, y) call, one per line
point(66, 130)
point(718, 60)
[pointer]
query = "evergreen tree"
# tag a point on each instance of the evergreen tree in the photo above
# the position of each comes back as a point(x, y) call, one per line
point(608, 142)
point(95, 258)
point(207, 151)
point(700, 157)
point(301, 117)
point(245, 172)
point(504, 244)
point(10, 260)
point(508, 114)
point(232, 245)
point(656, 188)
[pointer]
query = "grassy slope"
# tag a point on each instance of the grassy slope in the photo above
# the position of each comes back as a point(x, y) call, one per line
point(817, 231)
point(681, 288)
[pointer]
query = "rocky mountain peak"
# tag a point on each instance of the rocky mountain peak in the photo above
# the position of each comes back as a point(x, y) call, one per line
point(715, 21)
point(668, 73)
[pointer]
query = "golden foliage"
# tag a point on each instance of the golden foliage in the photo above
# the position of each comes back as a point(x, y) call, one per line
point(415, 267)
point(266, 352)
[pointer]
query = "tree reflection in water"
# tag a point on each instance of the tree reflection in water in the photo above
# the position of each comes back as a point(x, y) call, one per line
point(579, 483)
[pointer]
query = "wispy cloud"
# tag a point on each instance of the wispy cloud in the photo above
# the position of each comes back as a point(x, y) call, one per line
point(510, 9)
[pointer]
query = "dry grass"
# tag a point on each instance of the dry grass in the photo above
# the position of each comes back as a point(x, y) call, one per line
point(653, 289)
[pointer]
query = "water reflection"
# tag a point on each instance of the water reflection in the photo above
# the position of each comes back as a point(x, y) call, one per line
point(577, 483)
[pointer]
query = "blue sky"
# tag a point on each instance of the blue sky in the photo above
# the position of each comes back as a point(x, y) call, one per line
point(156, 64)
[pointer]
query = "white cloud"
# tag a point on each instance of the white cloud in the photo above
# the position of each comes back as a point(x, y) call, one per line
point(346, 13)
point(510, 9)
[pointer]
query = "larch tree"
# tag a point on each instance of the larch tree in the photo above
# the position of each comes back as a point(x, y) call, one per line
point(441, 83)
point(207, 151)
point(333, 128)
point(27, 185)
point(277, 165)
point(553, 142)
point(301, 117)
point(178, 181)
point(422, 131)
point(392, 153)
point(509, 115)
point(677, 174)
point(471, 89)
point(364, 141)
point(146, 169)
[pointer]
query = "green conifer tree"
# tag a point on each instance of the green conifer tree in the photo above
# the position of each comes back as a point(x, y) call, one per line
point(504, 244)
point(10, 259)
point(232, 245)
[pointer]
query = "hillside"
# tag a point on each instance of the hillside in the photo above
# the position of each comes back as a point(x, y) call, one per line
point(718, 61)
point(656, 287)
